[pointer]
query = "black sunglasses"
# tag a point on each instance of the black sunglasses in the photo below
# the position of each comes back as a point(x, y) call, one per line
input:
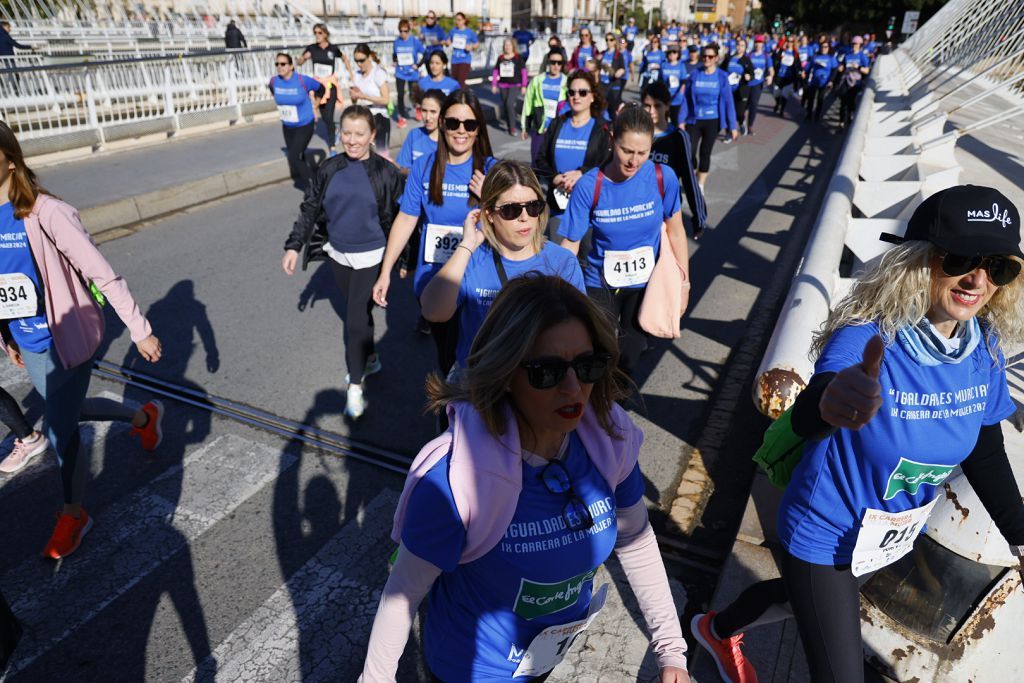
point(360, 61)
point(452, 123)
point(582, 92)
point(1002, 270)
point(514, 210)
point(709, 57)
point(559, 62)
point(283, 64)
point(545, 373)
point(575, 513)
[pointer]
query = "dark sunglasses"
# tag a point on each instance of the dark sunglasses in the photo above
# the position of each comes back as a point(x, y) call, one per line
point(709, 57)
point(582, 92)
point(514, 210)
point(558, 62)
point(282, 64)
point(545, 373)
point(575, 513)
point(1002, 270)
point(452, 123)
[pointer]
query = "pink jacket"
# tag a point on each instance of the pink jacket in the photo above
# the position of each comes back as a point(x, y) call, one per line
point(486, 474)
point(67, 260)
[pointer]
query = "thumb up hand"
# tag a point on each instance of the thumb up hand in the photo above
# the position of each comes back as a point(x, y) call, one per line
point(854, 395)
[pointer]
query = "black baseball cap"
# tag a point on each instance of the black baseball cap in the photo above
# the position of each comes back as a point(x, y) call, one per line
point(966, 220)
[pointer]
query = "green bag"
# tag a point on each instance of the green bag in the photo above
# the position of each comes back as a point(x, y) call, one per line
point(781, 450)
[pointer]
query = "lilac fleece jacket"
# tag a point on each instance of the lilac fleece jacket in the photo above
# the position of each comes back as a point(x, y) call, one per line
point(412, 576)
point(68, 259)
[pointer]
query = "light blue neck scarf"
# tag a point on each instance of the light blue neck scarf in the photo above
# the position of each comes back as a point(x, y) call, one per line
point(925, 345)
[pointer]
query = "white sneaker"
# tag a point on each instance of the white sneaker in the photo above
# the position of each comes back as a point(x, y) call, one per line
point(372, 367)
point(22, 453)
point(355, 405)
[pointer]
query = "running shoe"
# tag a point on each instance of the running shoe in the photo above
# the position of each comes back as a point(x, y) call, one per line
point(744, 130)
point(67, 536)
point(402, 123)
point(355, 404)
point(151, 434)
point(372, 367)
point(733, 667)
point(22, 453)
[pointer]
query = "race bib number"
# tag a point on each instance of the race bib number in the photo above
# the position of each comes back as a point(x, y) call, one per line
point(322, 70)
point(734, 78)
point(673, 82)
point(17, 296)
point(787, 59)
point(550, 109)
point(561, 198)
point(507, 69)
point(758, 74)
point(289, 113)
point(654, 66)
point(459, 41)
point(551, 645)
point(430, 39)
point(405, 59)
point(628, 268)
point(441, 242)
point(886, 537)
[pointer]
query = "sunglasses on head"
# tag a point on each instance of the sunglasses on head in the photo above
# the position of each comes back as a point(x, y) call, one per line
point(575, 514)
point(452, 123)
point(582, 92)
point(1002, 270)
point(545, 373)
point(514, 210)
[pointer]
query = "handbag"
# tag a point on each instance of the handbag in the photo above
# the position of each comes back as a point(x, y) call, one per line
point(662, 305)
point(781, 450)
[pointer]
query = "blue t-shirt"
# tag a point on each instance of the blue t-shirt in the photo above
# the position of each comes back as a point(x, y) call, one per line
point(631, 32)
point(484, 614)
point(655, 60)
point(31, 333)
point(551, 90)
point(416, 144)
point(928, 423)
point(523, 40)
point(762, 62)
point(628, 215)
point(571, 145)
point(821, 68)
point(672, 34)
point(416, 202)
point(433, 37)
point(408, 50)
point(674, 75)
point(460, 56)
point(855, 60)
point(805, 53)
point(481, 284)
point(294, 92)
point(785, 70)
point(584, 54)
point(705, 88)
point(447, 84)
point(735, 71)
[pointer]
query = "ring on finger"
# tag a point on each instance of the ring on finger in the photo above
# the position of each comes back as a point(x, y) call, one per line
point(856, 414)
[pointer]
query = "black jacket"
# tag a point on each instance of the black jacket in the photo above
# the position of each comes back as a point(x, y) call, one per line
point(233, 38)
point(310, 228)
point(748, 73)
point(599, 148)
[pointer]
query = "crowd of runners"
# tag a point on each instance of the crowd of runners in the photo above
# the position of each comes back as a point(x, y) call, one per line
point(541, 285)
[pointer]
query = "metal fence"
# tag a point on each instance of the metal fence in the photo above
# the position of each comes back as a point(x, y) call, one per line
point(898, 152)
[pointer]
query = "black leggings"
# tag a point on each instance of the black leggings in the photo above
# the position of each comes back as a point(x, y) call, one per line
point(622, 306)
point(704, 132)
point(296, 140)
point(12, 417)
point(357, 288)
point(327, 114)
point(402, 85)
point(815, 96)
point(825, 601)
point(848, 102)
point(753, 98)
point(740, 99)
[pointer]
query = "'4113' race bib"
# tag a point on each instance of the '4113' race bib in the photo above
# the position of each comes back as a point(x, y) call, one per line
point(629, 268)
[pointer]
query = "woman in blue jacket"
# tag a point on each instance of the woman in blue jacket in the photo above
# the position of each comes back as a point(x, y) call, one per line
point(710, 107)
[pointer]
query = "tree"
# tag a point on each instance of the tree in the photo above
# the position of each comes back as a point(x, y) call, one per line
point(855, 15)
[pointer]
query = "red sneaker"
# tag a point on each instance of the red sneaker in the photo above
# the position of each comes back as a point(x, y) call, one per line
point(401, 122)
point(67, 535)
point(151, 433)
point(733, 667)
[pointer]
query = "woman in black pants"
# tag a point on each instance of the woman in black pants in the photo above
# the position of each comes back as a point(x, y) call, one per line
point(292, 93)
point(710, 107)
point(358, 193)
point(928, 321)
point(324, 55)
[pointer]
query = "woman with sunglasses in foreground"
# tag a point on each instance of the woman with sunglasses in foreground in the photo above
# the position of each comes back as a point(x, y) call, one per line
point(574, 143)
point(910, 382)
point(625, 202)
point(509, 242)
point(506, 517)
point(441, 189)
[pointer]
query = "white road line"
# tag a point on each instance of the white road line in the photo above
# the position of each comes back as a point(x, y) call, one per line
point(133, 537)
point(315, 626)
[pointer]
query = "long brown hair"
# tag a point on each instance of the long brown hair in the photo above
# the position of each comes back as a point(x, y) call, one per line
point(481, 146)
point(25, 186)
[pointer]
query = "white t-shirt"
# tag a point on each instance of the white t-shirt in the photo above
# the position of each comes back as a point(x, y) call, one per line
point(370, 84)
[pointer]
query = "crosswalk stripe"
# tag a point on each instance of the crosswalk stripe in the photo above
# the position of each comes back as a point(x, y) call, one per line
point(325, 609)
point(133, 537)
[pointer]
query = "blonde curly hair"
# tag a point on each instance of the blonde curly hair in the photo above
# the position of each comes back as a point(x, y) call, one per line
point(896, 294)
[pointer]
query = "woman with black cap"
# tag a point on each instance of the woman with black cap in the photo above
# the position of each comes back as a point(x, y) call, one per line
point(924, 327)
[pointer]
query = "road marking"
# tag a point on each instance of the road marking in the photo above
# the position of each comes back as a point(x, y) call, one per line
point(133, 537)
point(315, 626)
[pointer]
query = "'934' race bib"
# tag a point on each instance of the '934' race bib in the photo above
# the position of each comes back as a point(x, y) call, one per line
point(17, 296)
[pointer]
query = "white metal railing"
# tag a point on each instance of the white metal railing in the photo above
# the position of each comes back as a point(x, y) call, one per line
point(898, 152)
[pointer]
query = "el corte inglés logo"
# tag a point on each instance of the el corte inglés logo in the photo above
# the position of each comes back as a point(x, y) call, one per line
point(909, 475)
point(538, 599)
